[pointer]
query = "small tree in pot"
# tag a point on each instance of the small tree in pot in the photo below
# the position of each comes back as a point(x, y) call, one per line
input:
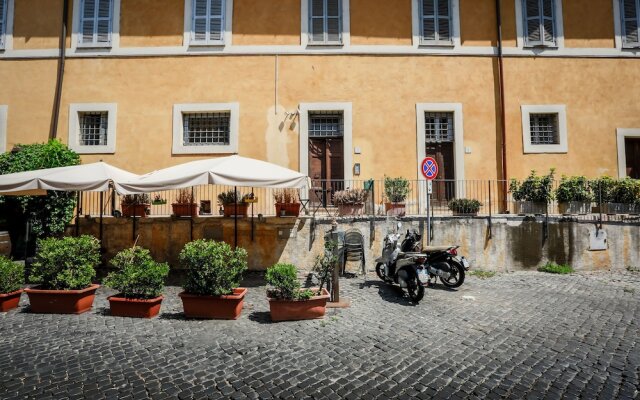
point(625, 195)
point(233, 203)
point(465, 206)
point(135, 205)
point(185, 205)
point(214, 272)
point(533, 195)
point(11, 281)
point(350, 201)
point(287, 204)
point(64, 268)
point(139, 281)
point(396, 191)
point(574, 195)
point(603, 189)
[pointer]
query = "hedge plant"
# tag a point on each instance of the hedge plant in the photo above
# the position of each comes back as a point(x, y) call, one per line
point(604, 188)
point(213, 268)
point(575, 188)
point(66, 264)
point(283, 279)
point(537, 189)
point(626, 191)
point(396, 190)
point(11, 275)
point(465, 206)
point(138, 275)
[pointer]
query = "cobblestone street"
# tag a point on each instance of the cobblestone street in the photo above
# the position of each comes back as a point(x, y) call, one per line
point(517, 335)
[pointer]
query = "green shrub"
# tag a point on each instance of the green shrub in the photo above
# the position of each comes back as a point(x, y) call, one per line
point(396, 190)
point(603, 189)
point(465, 206)
point(483, 274)
point(230, 197)
point(67, 263)
point(11, 275)
point(213, 268)
point(133, 199)
point(138, 275)
point(554, 268)
point(538, 189)
point(626, 191)
point(575, 188)
point(285, 285)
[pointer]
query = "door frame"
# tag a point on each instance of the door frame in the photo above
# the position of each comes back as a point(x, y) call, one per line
point(623, 134)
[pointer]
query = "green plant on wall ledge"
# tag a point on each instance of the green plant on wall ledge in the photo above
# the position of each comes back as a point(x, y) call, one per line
point(465, 206)
point(627, 191)
point(230, 197)
point(575, 188)
point(133, 199)
point(396, 190)
point(603, 189)
point(537, 189)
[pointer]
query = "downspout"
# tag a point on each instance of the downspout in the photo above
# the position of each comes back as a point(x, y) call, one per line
point(503, 123)
point(53, 129)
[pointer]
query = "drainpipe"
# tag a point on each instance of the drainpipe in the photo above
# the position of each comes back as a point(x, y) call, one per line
point(53, 129)
point(503, 123)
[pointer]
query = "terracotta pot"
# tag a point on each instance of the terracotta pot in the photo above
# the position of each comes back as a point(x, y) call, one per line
point(185, 210)
point(290, 209)
point(350, 209)
point(134, 210)
point(214, 307)
point(9, 301)
point(134, 308)
point(396, 209)
point(61, 301)
point(235, 209)
point(295, 310)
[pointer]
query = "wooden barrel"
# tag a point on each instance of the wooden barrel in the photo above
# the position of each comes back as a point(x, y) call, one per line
point(5, 243)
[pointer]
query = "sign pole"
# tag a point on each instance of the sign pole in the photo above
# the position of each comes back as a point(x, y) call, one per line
point(429, 169)
point(428, 213)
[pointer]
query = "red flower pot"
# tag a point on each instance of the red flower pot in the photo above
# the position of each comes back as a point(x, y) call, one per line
point(235, 209)
point(350, 209)
point(214, 307)
point(134, 210)
point(9, 301)
point(61, 301)
point(395, 209)
point(134, 308)
point(295, 310)
point(290, 209)
point(185, 210)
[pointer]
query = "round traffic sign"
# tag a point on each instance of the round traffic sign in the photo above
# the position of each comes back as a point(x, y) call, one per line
point(429, 168)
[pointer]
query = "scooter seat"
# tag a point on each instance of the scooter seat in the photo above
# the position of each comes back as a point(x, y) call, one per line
point(434, 249)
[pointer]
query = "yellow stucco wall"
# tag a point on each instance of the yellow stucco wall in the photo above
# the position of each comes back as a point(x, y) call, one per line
point(381, 22)
point(591, 26)
point(266, 22)
point(508, 14)
point(478, 23)
point(151, 23)
point(37, 24)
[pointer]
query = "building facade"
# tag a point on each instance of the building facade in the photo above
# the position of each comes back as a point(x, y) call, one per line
point(338, 89)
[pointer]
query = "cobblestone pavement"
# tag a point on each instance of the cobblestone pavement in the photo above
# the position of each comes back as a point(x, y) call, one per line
point(517, 335)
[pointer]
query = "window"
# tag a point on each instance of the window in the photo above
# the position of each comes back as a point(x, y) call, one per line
point(4, 7)
point(436, 22)
point(438, 127)
point(325, 21)
point(630, 13)
point(544, 129)
point(326, 124)
point(208, 22)
point(96, 23)
point(539, 22)
point(92, 128)
point(205, 128)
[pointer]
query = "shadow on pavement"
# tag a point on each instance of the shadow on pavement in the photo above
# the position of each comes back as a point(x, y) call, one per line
point(390, 293)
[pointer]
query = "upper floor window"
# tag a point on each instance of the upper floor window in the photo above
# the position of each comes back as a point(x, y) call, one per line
point(436, 22)
point(630, 12)
point(208, 21)
point(96, 23)
point(539, 22)
point(325, 21)
point(4, 5)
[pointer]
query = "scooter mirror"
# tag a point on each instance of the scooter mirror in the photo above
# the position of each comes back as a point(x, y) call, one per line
point(399, 225)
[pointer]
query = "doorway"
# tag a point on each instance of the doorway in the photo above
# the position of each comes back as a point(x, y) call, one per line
point(326, 155)
point(632, 156)
point(439, 144)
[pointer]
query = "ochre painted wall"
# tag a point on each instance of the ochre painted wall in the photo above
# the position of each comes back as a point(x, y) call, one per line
point(151, 23)
point(508, 14)
point(478, 23)
point(266, 22)
point(381, 22)
point(588, 26)
point(37, 24)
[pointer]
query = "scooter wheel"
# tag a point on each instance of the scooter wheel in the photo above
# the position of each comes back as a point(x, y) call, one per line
point(457, 276)
point(380, 271)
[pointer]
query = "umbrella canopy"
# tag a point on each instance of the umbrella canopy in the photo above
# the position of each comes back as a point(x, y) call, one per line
point(230, 171)
point(94, 177)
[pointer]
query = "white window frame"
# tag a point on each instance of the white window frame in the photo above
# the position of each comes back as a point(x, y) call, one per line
point(417, 21)
point(74, 127)
point(619, 31)
point(6, 35)
point(621, 135)
point(521, 39)
point(76, 34)
point(178, 128)
point(306, 31)
point(561, 111)
point(187, 39)
point(4, 111)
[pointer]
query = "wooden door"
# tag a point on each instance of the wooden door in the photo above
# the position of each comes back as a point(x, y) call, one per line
point(444, 185)
point(632, 153)
point(326, 168)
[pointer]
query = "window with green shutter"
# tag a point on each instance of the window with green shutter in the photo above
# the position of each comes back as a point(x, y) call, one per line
point(436, 23)
point(325, 21)
point(630, 13)
point(96, 22)
point(539, 22)
point(208, 20)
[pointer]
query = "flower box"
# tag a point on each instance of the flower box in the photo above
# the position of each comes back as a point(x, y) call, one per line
point(134, 308)
point(231, 210)
point(134, 210)
point(61, 301)
point(9, 301)
point(287, 209)
point(350, 209)
point(185, 210)
point(395, 209)
point(530, 207)
point(214, 307)
point(295, 310)
point(574, 208)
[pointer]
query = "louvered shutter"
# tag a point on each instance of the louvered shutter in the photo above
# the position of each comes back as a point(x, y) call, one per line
point(317, 21)
point(325, 21)
point(429, 20)
point(96, 22)
point(208, 21)
point(539, 22)
point(216, 18)
point(548, 23)
point(436, 21)
point(444, 20)
point(3, 19)
point(333, 21)
point(630, 22)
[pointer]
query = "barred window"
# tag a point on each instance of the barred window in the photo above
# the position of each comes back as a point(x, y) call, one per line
point(93, 128)
point(630, 13)
point(326, 124)
point(544, 129)
point(439, 127)
point(210, 128)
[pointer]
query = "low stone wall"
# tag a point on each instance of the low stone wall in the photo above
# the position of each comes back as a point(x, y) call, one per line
point(512, 243)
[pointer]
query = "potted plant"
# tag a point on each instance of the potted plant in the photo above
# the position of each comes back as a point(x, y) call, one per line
point(233, 203)
point(603, 189)
point(139, 281)
point(574, 195)
point(465, 207)
point(287, 301)
point(135, 205)
point(11, 281)
point(625, 195)
point(287, 204)
point(158, 200)
point(396, 191)
point(350, 201)
point(64, 269)
point(532, 195)
point(185, 205)
point(214, 272)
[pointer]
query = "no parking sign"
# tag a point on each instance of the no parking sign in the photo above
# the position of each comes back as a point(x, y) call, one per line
point(429, 168)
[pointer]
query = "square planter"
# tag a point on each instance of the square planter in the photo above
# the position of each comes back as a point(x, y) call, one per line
point(61, 301)
point(134, 308)
point(9, 301)
point(574, 208)
point(465, 214)
point(395, 209)
point(530, 207)
point(134, 210)
point(295, 310)
point(350, 209)
point(231, 210)
point(185, 210)
point(290, 209)
point(214, 307)
point(616, 208)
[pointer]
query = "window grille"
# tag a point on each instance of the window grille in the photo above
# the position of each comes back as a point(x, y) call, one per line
point(544, 129)
point(325, 21)
point(630, 13)
point(539, 22)
point(326, 124)
point(210, 128)
point(96, 22)
point(4, 4)
point(208, 21)
point(436, 21)
point(439, 127)
point(93, 128)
